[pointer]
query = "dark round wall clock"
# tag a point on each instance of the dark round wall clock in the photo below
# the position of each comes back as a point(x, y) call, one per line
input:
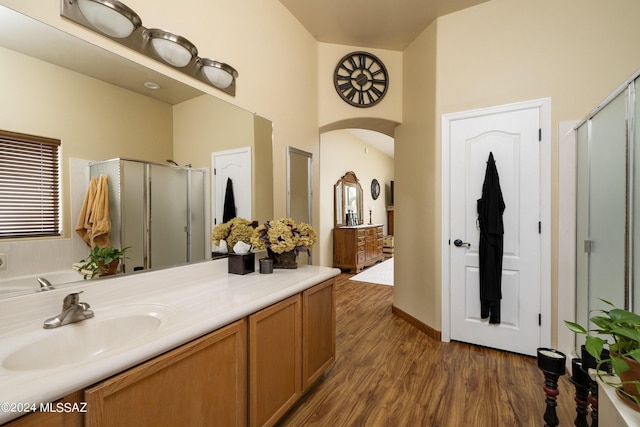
point(361, 79)
point(375, 189)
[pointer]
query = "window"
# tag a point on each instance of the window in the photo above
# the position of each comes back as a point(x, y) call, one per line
point(29, 186)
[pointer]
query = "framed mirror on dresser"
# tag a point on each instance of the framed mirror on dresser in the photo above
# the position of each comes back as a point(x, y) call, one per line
point(348, 201)
point(355, 245)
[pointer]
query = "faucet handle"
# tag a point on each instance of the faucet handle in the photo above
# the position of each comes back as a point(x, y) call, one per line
point(71, 299)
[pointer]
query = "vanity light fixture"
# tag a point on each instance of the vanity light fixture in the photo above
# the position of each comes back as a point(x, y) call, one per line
point(220, 75)
point(110, 17)
point(173, 49)
point(117, 21)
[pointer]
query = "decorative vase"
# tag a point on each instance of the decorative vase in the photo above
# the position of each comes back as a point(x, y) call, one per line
point(633, 374)
point(109, 269)
point(284, 260)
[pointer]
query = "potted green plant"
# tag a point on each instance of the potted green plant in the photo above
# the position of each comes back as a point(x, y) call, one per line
point(619, 330)
point(101, 262)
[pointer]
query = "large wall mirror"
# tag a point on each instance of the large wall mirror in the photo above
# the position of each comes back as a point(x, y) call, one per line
point(299, 197)
point(102, 106)
point(348, 201)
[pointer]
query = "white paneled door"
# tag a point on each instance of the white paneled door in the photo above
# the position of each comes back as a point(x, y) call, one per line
point(236, 166)
point(513, 136)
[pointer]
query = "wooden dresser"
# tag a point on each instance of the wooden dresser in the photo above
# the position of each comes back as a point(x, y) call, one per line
point(357, 247)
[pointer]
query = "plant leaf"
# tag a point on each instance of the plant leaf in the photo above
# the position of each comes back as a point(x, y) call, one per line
point(575, 328)
point(602, 322)
point(635, 354)
point(594, 346)
point(618, 315)
point(607, 302)
point(619, 365)
point(631, 333)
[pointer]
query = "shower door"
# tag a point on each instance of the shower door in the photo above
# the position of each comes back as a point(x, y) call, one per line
point(159, 212)
point(168, 216)
point(605, 226)
point(176, 215)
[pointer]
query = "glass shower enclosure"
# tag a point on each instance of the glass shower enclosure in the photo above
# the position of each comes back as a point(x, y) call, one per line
point(158, 211)
point(608, 204)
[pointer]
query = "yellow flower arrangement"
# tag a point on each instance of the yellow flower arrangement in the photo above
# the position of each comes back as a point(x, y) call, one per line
point(233, 231)
point(284, 235)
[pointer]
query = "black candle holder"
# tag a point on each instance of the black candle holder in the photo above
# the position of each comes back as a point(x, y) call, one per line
point(580, 379)
point(552, 363)
point(590, 362)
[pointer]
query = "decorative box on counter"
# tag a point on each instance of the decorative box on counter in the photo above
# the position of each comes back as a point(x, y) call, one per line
point(242, 263)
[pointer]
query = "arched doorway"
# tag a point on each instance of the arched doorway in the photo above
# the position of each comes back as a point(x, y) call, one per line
point(364, 146)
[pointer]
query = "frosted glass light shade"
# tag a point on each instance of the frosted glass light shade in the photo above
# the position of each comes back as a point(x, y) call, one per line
point(173, 49)
point(110, 17)
point(219, 74)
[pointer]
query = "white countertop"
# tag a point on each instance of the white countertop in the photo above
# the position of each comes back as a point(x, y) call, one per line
point(192, 300)
point(612, 411)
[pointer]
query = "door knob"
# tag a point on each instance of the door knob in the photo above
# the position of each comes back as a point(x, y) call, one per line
point(460, 243)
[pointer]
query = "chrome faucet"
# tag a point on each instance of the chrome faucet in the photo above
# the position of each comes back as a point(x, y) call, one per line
point(72, 311)
point(45, 285)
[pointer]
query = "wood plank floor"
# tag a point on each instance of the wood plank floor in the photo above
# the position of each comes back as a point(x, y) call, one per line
point(387, 373)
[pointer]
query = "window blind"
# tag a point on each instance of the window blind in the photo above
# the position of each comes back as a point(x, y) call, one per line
point(29, 186)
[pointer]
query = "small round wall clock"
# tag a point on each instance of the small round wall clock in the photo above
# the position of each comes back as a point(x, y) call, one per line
point(361, 79)
point(375, 189)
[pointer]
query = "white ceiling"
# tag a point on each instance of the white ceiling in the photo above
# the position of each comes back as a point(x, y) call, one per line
point(380, 24)
point(377, 140)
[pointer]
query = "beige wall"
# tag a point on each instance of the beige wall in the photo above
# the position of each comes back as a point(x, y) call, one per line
point(334, 109)
point(340, 152)
point(417, 167)
point(574, 51)
point(94, 120)
point(205, 124)
point(275, 56)
point(502, 51)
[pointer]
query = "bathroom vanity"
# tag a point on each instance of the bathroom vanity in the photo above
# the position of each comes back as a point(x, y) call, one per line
point(190, 345)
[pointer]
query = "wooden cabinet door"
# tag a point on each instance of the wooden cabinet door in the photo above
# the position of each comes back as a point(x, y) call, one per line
point(275, 360)
point(380, 243)
point(318, 331)
point(372, 241)
point(202, 383)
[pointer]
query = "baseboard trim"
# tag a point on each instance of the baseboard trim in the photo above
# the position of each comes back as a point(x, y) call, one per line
point(426, 329)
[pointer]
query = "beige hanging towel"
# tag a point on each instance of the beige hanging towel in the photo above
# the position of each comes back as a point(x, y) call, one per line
point(101, 223)
point(83, 226)
point(93, 224)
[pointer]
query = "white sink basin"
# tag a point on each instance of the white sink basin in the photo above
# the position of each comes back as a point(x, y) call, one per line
point(82, 340)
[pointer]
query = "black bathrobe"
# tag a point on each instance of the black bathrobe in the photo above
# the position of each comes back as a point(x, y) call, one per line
point(490, 209)
point(229, 209)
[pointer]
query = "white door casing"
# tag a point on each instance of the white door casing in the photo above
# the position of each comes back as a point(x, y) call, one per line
point(234, 164)
point(512, 133)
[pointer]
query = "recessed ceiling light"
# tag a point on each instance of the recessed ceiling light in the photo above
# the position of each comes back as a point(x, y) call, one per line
point(151, 85)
